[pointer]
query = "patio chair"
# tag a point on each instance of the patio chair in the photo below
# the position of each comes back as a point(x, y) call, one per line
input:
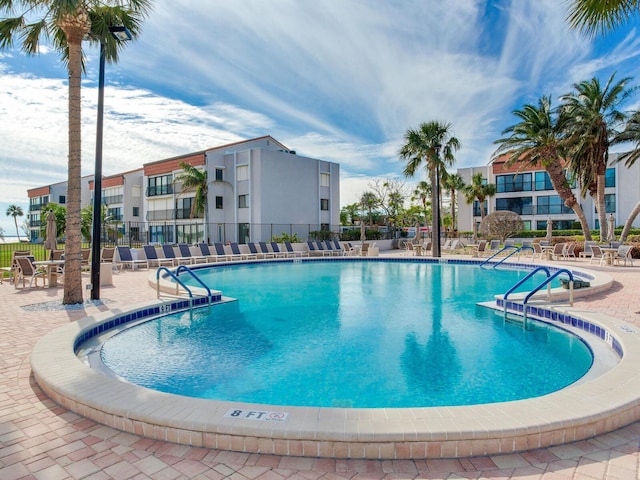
point(56, 255)
point(234, 255)
point(235, 251)
point(364, 249)
point(125, 258)
point(85, 263)
point(338, 248)
point(587, 253)
point(409, 248)
point(14, 264)
point(107, 255)
point(152, 257)
point(25, 269)
point(348, 249)
point(426, 247)
point(292, 252)
point(314, 251)
point(185, 252)
point(569, 251)
point(479, 249)
point(254, 250)
point(275, 248)
point(206, 252)
point(537, 251)
point(623, 255)
point(169, 252)
point(558, 251)
point(596, 254)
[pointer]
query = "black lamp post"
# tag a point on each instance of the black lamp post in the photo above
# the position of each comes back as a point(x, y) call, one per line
point(436, 209)
point(121, 34)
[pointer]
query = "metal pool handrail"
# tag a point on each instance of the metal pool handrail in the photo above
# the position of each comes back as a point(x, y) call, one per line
point(182, 268)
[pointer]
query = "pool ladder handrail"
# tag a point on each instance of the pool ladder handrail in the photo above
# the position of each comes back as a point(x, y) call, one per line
point(180, 283)
point(503, 249)
point(546, 281)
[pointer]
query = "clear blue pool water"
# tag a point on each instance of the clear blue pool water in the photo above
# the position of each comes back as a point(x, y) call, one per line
point(350, 334)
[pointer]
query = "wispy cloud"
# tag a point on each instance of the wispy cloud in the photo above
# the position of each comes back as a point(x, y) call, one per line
point(341, 81)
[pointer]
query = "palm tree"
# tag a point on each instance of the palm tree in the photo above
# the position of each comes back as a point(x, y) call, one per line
point(15, 211)
point(478, 190)
point(537, 140)
point(195, 180)
point(421, 193)
point(67, 23)
point(600, 16)
point(369, 201)
point(592, 119)
point(454, 183)
point(425, 145)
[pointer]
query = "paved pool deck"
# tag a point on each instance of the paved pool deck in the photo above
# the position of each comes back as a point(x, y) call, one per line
point(41, 440)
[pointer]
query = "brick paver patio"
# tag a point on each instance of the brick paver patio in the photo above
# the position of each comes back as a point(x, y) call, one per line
point(39, 440)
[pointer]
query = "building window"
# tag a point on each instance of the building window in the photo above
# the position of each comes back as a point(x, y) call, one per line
point(219, 173)
point(543, 182)
point(610, 203)
point(476, 208)
point(190, 233)
point(115, 214)
point(325, 180)
point(162, 185)
point(551, 204)
point(324, 227)
point(62, 199)
point(610, 177)
point(242, 173)
point(243, 201)
point(136, 211)
point(324, 204)
point(161, 233)
point(219, 203)
point(184, 207)
point(520, 182)
point(519, 205)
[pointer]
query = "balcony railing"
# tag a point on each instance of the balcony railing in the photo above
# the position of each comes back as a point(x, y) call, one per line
point(159, 190)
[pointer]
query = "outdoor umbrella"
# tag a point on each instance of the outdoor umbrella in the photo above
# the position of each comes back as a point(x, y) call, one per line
point(549, 230)
point(611, 232)
point(51, 232)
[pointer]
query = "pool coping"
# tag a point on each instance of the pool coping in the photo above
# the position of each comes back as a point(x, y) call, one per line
point(577, 412)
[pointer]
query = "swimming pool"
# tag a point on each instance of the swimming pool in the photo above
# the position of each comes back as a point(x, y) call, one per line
point(598, 404)
point(350, 334)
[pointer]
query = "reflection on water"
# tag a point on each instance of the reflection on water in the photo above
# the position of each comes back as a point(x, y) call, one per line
point(361, 334)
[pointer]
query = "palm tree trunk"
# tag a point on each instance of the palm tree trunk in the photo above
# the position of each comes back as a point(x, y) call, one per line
point(434, 211)
point(15, 220)
point(75, 28)
point(628, 224)
point(561, 186)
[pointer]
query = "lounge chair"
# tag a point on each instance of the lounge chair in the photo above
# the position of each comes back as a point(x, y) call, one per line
point(338, 248)
point(221, 252)
point(623, 255)
point(125, 258)
point(235, 252)
point(291, 252)
point(185, 252)
point(254, 250)
point(25, 269)
point(169, 252)
point(276, 250)
point(265, 250)
point(315, 251)
point(152, 257)
point(206, 252)
point(329, 247)
point(321, 248)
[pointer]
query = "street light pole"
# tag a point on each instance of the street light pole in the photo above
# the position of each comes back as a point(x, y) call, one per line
point(435, 249)
point(120, 34)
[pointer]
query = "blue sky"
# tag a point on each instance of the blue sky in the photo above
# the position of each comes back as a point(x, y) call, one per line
point(336, 80)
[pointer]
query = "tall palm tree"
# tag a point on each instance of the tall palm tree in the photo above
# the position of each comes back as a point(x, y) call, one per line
point(600, 16)
point(67, 23)
point(424, 146)
point(454, 183)
point(536, 140)
point(478, 190)
point(195, 180)
point(592, 120)
point(422, 193)
point(15, 211)
point(369, 201)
